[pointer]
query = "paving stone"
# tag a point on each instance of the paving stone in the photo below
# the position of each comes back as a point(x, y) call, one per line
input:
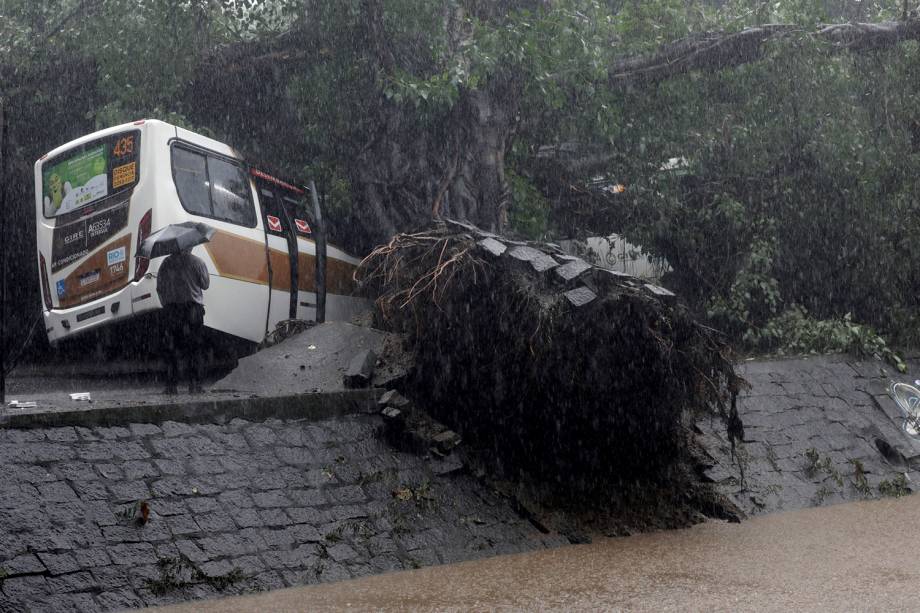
point(119, 599)
point(215, 522)
point(142, 430)
point(174, 428)
point(66, 434)
point(193, 551)
point(275, 498)
point(260, 436)
point(140, 469)
point(305, 533)
point(293, 434)
point(92, 558)
point(21, 565)
point(86, 434)
point(76, 471)
point(19, 495)
point(90, 490)
point(43, 452)
point(333, 571)
point(24, 587)
point(493, 246)
point(279, 538)
point(240, 499)
point(182, 524)
point(205, 465)
point(110, 577)
point(129, 491)
point(249, 565)
point(308, 497)
point(341, 552)
point(296, 456)
point(74, 582)
point(33, 474)
point(269, 581)
point(169, 467)
point(59, 563)
point(133, 554)
point(348, 494)
point(112, 433)
point(151, 531)
point(274, 517)
point(110, 471)
point(65, 603)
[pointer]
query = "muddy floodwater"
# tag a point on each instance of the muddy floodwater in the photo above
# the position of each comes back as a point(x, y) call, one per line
point(856, 556)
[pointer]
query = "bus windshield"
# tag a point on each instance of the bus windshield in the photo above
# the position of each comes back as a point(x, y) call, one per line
point(89, 173)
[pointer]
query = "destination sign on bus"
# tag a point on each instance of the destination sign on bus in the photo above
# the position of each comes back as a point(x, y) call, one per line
point(89, 173)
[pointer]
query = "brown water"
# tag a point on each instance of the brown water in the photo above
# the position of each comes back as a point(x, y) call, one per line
point(858, 556)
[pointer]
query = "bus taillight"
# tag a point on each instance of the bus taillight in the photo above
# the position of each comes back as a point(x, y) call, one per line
point(143, 231)
point(46, 287)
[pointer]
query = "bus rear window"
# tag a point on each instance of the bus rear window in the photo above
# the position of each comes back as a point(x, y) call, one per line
point(90, 173)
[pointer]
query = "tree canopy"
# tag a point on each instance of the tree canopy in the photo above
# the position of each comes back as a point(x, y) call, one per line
point(797, 193)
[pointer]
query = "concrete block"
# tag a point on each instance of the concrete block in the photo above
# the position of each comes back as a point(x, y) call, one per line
point(361, 369)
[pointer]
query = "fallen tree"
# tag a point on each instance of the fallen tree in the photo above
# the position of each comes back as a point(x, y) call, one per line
point(558, 371)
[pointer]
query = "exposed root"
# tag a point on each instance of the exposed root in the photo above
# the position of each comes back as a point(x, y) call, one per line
point(585, 397)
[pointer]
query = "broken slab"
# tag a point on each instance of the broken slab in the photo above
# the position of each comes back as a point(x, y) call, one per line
point(496, 248)
point(659, 291)
point(392, 398)
point(572, 270)
point(538, 259)
point(361, 369)
point(312, 361)
point(446, 441)
point(580, 296)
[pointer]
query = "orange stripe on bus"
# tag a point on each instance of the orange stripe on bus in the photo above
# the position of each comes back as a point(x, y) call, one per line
point(241, 258)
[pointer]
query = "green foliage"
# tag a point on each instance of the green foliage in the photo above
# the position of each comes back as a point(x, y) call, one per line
point(895, 488)
point(860, 483)
point(529, 209)
point(794, 332)
point(180, 572)
point(792, 225)
point(815, 464)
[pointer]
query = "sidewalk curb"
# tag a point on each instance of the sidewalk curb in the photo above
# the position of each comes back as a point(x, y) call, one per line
point(314, 406)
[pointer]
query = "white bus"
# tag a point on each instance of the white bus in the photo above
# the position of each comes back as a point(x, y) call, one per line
point(98, 197)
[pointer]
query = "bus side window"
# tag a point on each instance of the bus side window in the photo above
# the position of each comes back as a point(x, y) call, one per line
point(271, 207)
point(230, 193)
point(298, 211)
point(191, 180)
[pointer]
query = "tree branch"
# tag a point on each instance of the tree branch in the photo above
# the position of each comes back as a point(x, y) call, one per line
point(719, 50)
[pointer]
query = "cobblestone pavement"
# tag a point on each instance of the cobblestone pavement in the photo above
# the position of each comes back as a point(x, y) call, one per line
point(818, 430)
point(234, 508)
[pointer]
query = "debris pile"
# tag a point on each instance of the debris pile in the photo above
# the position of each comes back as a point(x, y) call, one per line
point(554, 368)
point(413, 430)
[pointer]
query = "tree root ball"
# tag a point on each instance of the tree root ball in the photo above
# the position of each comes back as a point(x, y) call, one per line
point(585, 392)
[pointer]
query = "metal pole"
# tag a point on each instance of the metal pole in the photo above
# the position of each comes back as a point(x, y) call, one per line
point(4, 181)
point(319, 236)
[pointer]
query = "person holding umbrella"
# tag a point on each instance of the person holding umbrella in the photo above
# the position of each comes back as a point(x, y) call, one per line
point(181, 282)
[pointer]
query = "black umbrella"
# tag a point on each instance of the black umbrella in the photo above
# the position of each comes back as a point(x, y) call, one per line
point(175, 238)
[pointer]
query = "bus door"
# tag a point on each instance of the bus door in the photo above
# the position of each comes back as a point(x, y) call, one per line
point(282, 248)
point(302, 222)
